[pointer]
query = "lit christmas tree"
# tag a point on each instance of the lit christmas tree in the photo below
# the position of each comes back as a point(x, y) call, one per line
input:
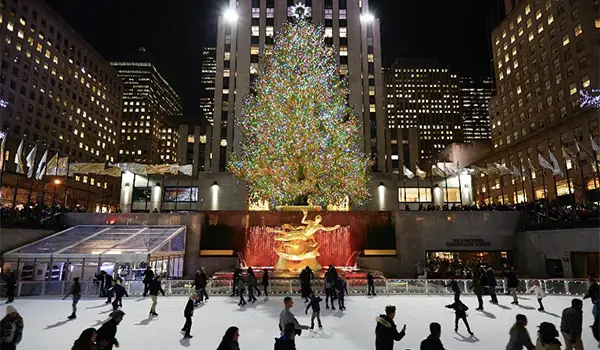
point(300, 136)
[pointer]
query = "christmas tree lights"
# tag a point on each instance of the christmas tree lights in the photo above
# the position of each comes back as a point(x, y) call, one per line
point(300, 136)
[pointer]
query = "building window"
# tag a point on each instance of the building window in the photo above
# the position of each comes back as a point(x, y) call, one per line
point(585, 81)
point(578, 30)
point(565, 40)
point(180, 194)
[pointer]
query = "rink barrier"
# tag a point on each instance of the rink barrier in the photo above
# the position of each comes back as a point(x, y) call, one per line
point(292, 287)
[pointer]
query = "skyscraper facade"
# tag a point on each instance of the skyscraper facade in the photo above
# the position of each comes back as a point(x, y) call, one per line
point(151, 108)
point(246, 33)
point(423, 94)
point(475, 94)
point(207, 81)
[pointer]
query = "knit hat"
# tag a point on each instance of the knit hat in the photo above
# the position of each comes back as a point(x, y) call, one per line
point(118, 313)
point(10, 309)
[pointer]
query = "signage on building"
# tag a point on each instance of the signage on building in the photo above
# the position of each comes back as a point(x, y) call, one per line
point(468, 242)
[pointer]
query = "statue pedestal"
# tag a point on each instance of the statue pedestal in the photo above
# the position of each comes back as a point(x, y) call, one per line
point(283, 264)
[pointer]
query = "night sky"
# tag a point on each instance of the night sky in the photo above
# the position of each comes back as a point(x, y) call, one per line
point(455, 32)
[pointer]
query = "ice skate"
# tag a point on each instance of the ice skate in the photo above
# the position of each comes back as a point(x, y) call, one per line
point(72, 317)
point(541, 309)
point(188, 336)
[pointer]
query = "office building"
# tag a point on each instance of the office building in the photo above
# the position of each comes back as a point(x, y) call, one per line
point(475, 94)
point(194, 146)
point(151, 111)
point(545, 54)
point(207, 81)
point(423, 94)
point(246, 32)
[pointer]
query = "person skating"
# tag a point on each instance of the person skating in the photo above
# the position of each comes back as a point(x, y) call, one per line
point(547, 337)
point(329, 291)
point(75, 291)
point(342, 289)
point(148, 275)
point(519, 336)
point(593, 292)
point(596, 326)
point(241, 287)
point(286, 341)
point(237, 273)
point(538, 291)
point(198, 286)
point(316, 310)
point(230, 339)
point(108, 286)
point(265, 283)
point(254, 281)
point(11, 329)
point(107, 333)
point(204, 280)
point(491, 283)
point(454, 286)
point(460, 310)
point(512, 282)
point(188, 312)
point(571, 325)
point(119, 292)
point(251, 282)
point(433, 342)
point(305, 278)
point(286, 316)
point(370, 284)
point(11, 286)
point(386, 332)
point(477, 288)
point(86, 340)
point(153, 289)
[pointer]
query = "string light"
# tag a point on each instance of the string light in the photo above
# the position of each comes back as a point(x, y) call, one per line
point(300, 136)
point(590, 99)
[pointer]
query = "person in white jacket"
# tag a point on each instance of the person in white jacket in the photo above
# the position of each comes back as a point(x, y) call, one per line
point(538, 291)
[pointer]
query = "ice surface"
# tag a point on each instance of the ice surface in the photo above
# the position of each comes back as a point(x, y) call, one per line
point(46, 326)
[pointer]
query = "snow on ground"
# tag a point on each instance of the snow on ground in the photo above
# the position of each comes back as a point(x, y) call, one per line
point(46, 325)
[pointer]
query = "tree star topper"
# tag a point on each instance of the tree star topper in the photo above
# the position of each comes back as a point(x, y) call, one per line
point(300, 11)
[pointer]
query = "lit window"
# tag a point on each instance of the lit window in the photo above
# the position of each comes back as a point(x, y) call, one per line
point(518, 89)
point(521, 31)
point(270, 31)
point(328, 32)
point(10, 26)
point(519, 18)
point(585, 81)
point(597, 23)
point(21, 34)
point(550, 19)
point(372, 108)
point(538, 14)
point(540, 28)
point(39, 47)
point(343, 51)
point(578, 30)
point(565, 40)
point(254, 50)
point(504, 34)
point(527, 9)
point(529, 23)
point(227, 56)
point(255, 30)
point(572, 89)
point(343, 32)
point(531, 36)
point(512, 39)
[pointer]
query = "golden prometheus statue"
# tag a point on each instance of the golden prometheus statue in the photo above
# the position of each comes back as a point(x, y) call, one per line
point(297, 245)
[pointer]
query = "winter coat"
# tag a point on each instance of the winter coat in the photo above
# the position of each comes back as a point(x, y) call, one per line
point(342, 287)
point(106, 335)
point(596, 309)
point(251, 281)
point(148, 276)
point(369, 278)
point(198, 281)
point(204, 278)
point(265, 278)
point(550, 346)
point(75, 289)
point(332, 275)
point(386, 333)
point(286, 316)
point(241, 283)
point(189, 308)
point(511, 280)
point(155, 287)
point(538, 291)
point(11, 328)
point(285, 343)
point(459, 308)
point(232, 346)
point(108, 281)
point(119, 291)
point(476, 285)
point(89, 346)
point(593, 292)
point(519, 338)
point(572, 322)
point(432, 343)
point(11, 283)
point(314, 304)
point(490, 279)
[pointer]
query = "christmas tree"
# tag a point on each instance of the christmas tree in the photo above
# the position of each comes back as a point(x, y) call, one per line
point(300, 136)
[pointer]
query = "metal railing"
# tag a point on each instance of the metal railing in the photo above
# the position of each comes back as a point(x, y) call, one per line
point(292, 287)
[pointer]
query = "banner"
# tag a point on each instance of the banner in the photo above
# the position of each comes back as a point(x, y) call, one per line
point(186, 169)
point(19, 160)
point(544, 163)
point(556, 167)
point(58, 167)
point(420, 173)
point(436, 171)
point(406, 171)
point(31, 161)
point(568, 155)
point(531, 167)
point(41, 166)
point(2, 147)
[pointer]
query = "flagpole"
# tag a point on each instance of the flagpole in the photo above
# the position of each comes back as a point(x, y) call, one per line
point(177, 192)
point(192, 186)
point(418, 191)
point(147, 185)
point(583, 184)
point(55, 185)
point(14, 200)
point(87, 197)
point(102, 194)
point(67, 182)
point(568, 183)
point(44, 187)
point(74, 189)
point(132, 190)
point(489, 190)
point(162, 195)
point(2, 156)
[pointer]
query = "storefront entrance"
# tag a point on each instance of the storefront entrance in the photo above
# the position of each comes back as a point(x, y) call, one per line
point(459, 264)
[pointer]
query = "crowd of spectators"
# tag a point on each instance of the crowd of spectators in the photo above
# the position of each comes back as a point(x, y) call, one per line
point(460, 269)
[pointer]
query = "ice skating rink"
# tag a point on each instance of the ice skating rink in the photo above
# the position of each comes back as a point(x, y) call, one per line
point(46, 325)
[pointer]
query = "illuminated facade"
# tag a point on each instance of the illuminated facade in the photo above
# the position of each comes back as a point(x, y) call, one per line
point(194, 146)
point(545, 53)
point(475, 94)
point(243, 39)
point(150, 111)
point(423, 94)
point(207, 80)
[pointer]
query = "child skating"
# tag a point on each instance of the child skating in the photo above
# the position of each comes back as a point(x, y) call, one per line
point(538, 291)
point(461, 314)
point(76, 293)
point(316, 310)
point(118, 291)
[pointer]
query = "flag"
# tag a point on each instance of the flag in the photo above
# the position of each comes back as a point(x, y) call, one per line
point(420, 173)
point(41, 166)
point(436, 171)
point(479, 170)
point(588, 153)
point(50, 167)
point(18, 160)
point(407, 172)
point(544, 163)
point(531, 167)
point(595, 146)
point(2, 147)
point(186, 169)
point(568, 155)
point(31, 161)
point(491, 169)
point(502, 169)
point(524, 172)
point(63, 165)
point(515, 172)
point(556, 168)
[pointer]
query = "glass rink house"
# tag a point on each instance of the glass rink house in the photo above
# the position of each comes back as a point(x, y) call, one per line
point(83, 251)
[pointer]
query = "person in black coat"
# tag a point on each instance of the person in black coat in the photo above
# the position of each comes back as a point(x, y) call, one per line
point(76, 293)
point(204, 279)
point(386, 332)
point(316, 310)
point(370, 284)
point(119, 292)
point(236, 276)
point(108, 286)
point(198, 286)
point(106, 334)
point(491, 283)
point(188, 313)
point(155, 287)
point(255, 285)
point(148, 277)
point(342, 289)
point(305, 277)
point(477, 288)
point(460, 310)
point(11, 285)
point(433, 342)
point(454, 286)
point(593, 291)
point(265, 283)
point(512, 282)
point(286, 341)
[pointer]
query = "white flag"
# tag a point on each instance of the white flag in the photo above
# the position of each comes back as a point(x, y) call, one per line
point(19, 160)
point(420, 173)
point(407, 172)
point(41, 166)
point(2, 147)
point(544, 163)
point(556, 168)
point(595, 146)
point(31, 161)
point(186, 169)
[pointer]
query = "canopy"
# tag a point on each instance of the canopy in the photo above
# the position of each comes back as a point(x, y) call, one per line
point(119, 243)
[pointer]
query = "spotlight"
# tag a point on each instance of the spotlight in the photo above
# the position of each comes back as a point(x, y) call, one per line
point(367, 17)
point(230, 15)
